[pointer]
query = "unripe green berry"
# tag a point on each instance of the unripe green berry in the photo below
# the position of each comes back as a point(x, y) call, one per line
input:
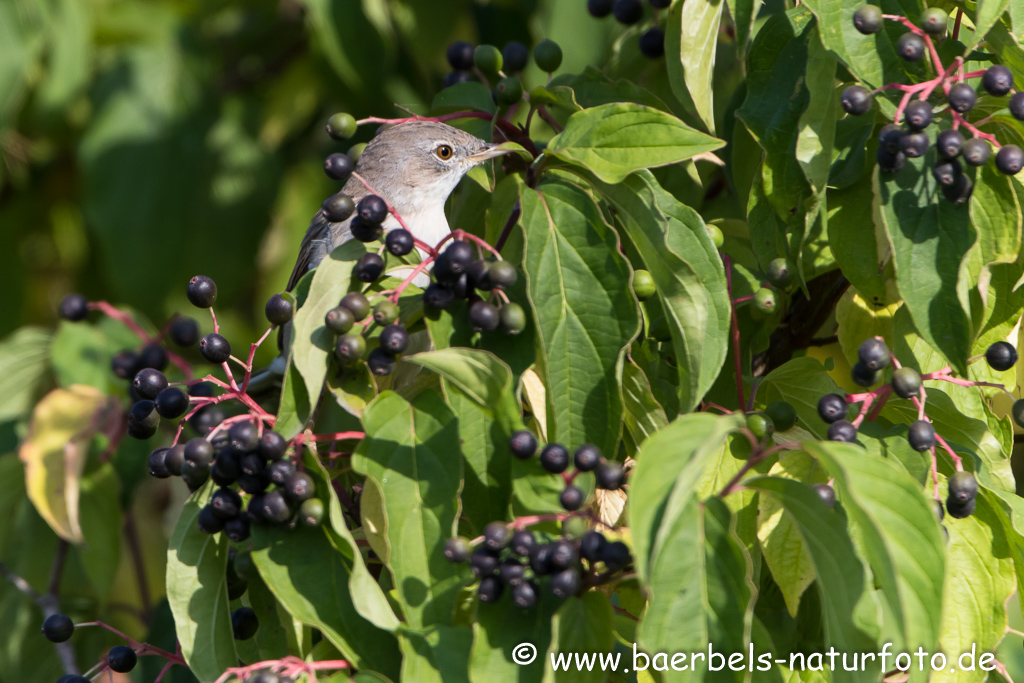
point(934, 21)
point(341, 126)
point(488, 59)
point(761, 425)
point(643, 285)
point(509, 90)
point(513, 318)
point(764, 301)
point(548, 55)
point(779, 273)
point(1018, 412)
point(717, 237)
point(782, 413)
point(385, 312)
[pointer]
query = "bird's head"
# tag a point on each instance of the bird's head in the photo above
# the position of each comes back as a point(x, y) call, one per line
point(419, 163)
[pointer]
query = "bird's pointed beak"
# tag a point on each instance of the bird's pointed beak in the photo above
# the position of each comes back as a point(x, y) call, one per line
point(488, 151)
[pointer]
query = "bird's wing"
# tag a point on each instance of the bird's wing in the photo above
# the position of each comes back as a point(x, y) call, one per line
point(322, 236)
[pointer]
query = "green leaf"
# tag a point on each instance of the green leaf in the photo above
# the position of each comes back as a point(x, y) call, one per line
point(986, 15)
point(24, 356)
point(898, 530)
point(310, 341)
point(499, 628)
point(80, 355)
point(858, 241)
point(592, 88)
point(440, 654)
point(311, 578)
point(102, 520)
point(673, 459)
point(842, 584)
point(929, 238)
point(872, 58)
point(690, 72)
point(643, 414)
point(700, 586)
point(54, 452)
point(197, 591)
point(614, 140)
point(675, 247)
point(801, 382)
point(995, 213)
point(582, 626)
point(410, 453)
point(271, 639)
point(367, 596)
point(584, 311)
point(817, 124)
point(472, 96)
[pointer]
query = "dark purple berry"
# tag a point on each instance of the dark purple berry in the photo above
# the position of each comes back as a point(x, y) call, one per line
point(215, 348)
point(201, 291)
point(74, 307)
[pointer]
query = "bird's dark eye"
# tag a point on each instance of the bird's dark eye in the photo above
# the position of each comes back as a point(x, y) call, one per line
point(444, 152)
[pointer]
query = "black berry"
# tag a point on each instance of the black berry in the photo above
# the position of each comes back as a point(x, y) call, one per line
point(299, 487)
point(272, 445)
point(910, 47)
point(889, 137)
point(453, 262)
point(502, 274)
point(948, 143)
point(483, 563)
point(959, 511)
point(453, 77)
point(484, 317)
point(279, 471)
point(918, 115)
point(278, 310)
point(490, 589)
point(524, 594)
point(143, 420)
point(339, 320)
point(997, 80)
point(868, 19)
point(515, 55)
point(171, 403)
point(399, 242)
point(660, 4)
point(184, 331)
point(372, 209)
point(365, 232)
point(947, 173)
point(921, 435)
point(215, 348)
point(201, 291)
point(962, 98)
point(252, 464)
point(338, 166)
point(523, 444)
point(226, 503)
point(652, 43)
point(121, 659)
point(125, 364)
point(237, 529)
point(571, 498)
point(890, 162)
point(976, 151)
point(198, 451)
point(1018, 412)
point(914, 145)
point(873, 354)
point(864, 376)
point(338, 207)
point(600, 8)
point(962, 487)
point(244, 623)
point(437, 298)
point(275, 507)
point(369, 267)
point(58, 628)
point(456, 549)
point(1016, 105)
point(357, 303)
point(460, 55)
point(826, 493)
point(831, 408)
point(960, 191)
point(554, 458)
point(149, 382)
point(394, 339)
point(856, 100)
point(74, 307)
point(496, 536)
point(610, 476)
point(592, 546)
point(209, 521)
point(1001, 356)
point(615, 555)
point(566, 583)
point(1009, 159)
point(158, 464)
point(174, 458)
point(906, 382)
point(628, 12)
point(244, 437)
point(380, 362)
point(523, 543)
point(587, 458)
point(842, 430)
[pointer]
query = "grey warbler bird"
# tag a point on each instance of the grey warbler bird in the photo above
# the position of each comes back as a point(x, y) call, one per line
point(412, 166)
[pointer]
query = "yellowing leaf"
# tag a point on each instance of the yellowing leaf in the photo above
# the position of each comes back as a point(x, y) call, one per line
point(63, 424)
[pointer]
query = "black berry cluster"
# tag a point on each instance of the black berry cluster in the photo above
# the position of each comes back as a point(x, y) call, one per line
point(519, 562)
point(505, 65)
point(898, 143)
point(873, 357)
point(629, 13)
point(351, 346)
point(554, 458)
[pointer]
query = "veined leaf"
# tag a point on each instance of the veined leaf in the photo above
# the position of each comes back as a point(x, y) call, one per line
point(614, 140)
point(691, 70)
